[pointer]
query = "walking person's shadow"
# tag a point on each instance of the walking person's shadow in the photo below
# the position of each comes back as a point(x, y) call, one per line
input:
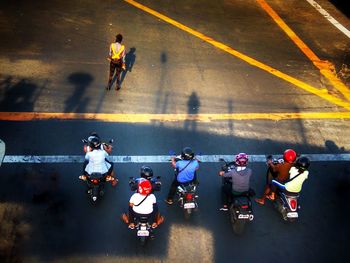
point(130, 58)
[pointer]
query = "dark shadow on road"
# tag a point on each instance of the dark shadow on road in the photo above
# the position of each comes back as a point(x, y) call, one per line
point(77, 102)
point(163, 92)
point(130, 59)
point(18, 95)
point(193, 105)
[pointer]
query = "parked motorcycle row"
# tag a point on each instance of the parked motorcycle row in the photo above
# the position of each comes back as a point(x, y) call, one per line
point(240, 207)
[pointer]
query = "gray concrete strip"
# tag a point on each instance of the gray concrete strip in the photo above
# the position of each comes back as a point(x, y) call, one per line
point(159, 158)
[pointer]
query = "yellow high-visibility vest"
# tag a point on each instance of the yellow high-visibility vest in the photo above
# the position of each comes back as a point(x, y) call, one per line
point(117, 54)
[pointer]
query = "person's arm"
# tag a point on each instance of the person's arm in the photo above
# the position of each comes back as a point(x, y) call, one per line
point(228, 174)
point(110, 52)
point(173, 162)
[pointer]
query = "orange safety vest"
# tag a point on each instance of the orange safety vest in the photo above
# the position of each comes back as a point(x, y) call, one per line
point(117, 54)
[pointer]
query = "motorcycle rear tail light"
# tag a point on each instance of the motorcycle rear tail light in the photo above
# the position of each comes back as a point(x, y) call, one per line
point(189, 196)
point(244, 206)
point(94, 181)
point(293, 204)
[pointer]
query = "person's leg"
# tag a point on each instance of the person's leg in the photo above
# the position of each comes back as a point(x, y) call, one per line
point(267, 189)
point(112, 67)
point(226, 196)
point(172, 191)
point(131, 218)
point(118, 71)
point(111, 173)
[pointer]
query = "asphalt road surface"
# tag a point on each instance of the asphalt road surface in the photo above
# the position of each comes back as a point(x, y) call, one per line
point(222, 77)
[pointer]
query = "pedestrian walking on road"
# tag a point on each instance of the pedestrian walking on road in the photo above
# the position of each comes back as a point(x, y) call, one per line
point(117, 61)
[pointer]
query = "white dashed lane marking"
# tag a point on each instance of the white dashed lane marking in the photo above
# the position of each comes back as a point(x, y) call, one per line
point(158, 158)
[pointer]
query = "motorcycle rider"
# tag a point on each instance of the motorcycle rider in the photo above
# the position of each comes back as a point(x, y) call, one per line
point(146, 172)
point(279, 172)
point(297, 175)
point(96, 160)
point(143, 203)
point(185, 172)
point(240, 176)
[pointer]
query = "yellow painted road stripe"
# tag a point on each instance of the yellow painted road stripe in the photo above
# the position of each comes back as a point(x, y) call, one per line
point(326, 68)
point(323, 93)
point(149, 118)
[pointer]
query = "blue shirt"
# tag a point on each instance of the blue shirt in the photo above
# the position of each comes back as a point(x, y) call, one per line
point(187, 174)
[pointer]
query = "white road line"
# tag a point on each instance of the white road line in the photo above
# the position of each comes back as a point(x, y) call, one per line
point(329, 17)
point(2, 150)
point(158, 158)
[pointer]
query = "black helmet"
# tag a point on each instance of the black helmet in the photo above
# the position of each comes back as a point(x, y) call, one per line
point(302, 163)
point(187, 153)
point(94, 142)
point(146, 172)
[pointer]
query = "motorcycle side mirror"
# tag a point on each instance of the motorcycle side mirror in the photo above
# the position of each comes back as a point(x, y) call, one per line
point(111, 141)
point(158, 177)
point(221, 160)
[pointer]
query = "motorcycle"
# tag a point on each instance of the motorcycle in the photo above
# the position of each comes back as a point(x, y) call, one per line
point(186, 195)
point(143, 229)
point(286, 204)
point(96, 181)
point(240, 207)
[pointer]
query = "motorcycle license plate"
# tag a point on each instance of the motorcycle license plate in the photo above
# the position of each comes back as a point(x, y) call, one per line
point(143, 233)
point(143, 228)
point(292, 214)
point(243, 216)
point(189, 205)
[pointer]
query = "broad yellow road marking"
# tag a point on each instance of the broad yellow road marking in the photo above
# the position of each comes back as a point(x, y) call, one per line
point(323, 93)
point(326, 68)
point(149, 118)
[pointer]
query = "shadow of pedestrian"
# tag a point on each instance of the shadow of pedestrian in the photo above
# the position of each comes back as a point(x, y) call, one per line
point(17, 95)
point(76, 102)
point(333, 147)
point(130, 59)
point(193, 105)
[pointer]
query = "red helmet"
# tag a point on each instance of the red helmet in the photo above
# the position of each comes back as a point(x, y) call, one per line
point(144, 187)
point(242, 159)
point(289, 156)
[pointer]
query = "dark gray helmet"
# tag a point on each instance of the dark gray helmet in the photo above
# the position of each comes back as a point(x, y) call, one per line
point(187, 153)
point(146, 172)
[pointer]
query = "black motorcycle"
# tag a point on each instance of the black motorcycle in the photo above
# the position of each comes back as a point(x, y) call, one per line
point(96, 184)
point(187, 198)
point(143, 229)
point(240, 206)
point(286, 204)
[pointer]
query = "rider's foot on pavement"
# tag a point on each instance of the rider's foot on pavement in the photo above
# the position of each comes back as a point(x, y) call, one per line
point(154, 225)
point(169, 201)
point(260, 200)
point(271, 196)
point(131, 225)
point(125, 218)
point(114, 182)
